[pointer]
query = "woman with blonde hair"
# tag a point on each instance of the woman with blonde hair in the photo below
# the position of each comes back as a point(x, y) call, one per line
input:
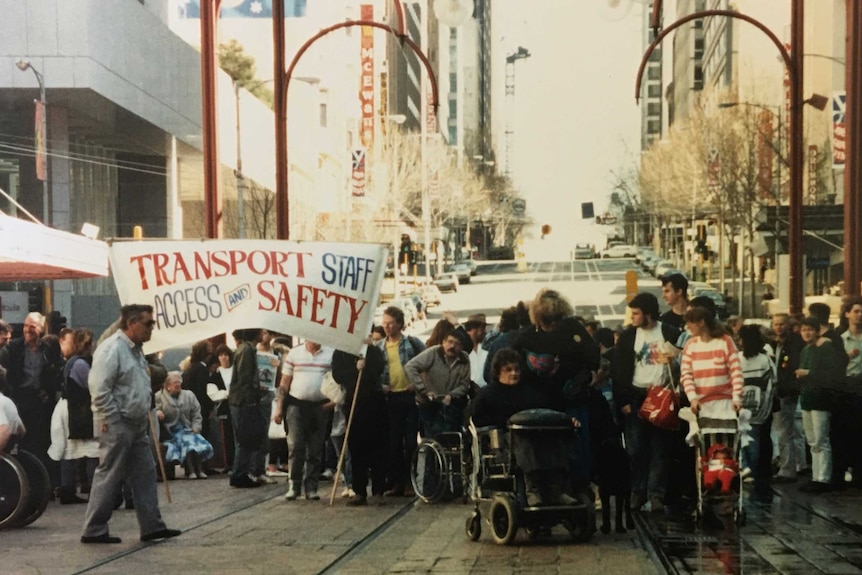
point(559, 358)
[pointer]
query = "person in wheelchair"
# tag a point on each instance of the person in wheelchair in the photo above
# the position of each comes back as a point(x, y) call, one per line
point(441, 378)
point(544, 461)
point(11, 426)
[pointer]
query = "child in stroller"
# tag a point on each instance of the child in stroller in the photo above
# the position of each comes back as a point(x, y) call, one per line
point(719, 469)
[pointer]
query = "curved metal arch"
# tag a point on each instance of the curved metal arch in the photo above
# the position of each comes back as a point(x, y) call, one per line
point(404, 39)
point(788, 61)
point(282, 226)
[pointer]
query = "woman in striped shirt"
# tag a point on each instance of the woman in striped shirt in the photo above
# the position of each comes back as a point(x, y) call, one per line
point(710, 372)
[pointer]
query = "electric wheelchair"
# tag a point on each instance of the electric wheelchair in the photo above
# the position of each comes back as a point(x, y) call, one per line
point(497, 486)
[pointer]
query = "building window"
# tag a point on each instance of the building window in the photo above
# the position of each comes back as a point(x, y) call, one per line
point(653, 109)
point(453, 135)
point(323, 115)
point(654, 91)
point(653, 126)
point(453, 82)
point(654, 73)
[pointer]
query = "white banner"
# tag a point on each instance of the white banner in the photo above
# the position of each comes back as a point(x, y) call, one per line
point(326, 292)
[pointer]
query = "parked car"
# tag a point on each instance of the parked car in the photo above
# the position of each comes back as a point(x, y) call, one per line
point(715, 296)
point(462, 271)
point(648, 261)
point(643, 253)
point(620, 251)
point(663, 269)
point(431, 295)
point(446, 282)
point(584, 252)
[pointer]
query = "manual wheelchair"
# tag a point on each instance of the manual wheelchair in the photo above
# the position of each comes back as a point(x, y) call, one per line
point(25, 488)
point(441, 467)
point(498, 490)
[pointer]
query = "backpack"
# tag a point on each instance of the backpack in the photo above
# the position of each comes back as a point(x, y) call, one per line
point(757, 394)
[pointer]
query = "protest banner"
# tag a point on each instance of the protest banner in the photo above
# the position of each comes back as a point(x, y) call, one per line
point(326, 292)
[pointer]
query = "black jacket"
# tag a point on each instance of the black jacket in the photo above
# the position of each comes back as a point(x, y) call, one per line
point(623, 364)
point(787, 362)
point(12, 358)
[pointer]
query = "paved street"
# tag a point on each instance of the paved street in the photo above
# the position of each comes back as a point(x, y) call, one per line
point(256, 531)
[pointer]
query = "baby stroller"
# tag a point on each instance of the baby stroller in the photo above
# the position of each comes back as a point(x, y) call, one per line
point(497, 485)
point(718, 445)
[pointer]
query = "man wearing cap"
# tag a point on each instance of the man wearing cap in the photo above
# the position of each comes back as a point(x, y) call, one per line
point(475, 328)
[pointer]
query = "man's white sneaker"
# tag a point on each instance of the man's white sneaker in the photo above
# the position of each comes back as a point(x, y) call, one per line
point(312, 495)
point(291, 494)
point(348, 492)
point(264, 480)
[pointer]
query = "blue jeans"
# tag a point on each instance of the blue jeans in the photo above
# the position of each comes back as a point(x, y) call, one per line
point(649, 450)
point(757, 456)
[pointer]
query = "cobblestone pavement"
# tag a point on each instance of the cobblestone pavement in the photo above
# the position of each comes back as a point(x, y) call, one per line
point(256, 531)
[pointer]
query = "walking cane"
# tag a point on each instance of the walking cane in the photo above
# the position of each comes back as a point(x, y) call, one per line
point(159, 457)
point(346, 435)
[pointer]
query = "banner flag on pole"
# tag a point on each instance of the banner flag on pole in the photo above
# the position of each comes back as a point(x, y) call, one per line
point(41, 160)
point(326, 292)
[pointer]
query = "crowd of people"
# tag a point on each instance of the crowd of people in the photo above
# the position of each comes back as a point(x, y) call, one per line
point(264, 409)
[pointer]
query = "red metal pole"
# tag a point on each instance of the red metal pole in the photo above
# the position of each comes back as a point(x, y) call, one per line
point(797, 49)
point(282, 220)
point(853, 157)
point(212, 198)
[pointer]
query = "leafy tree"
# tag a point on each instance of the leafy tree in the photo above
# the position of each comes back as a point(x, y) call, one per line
point(243, 71)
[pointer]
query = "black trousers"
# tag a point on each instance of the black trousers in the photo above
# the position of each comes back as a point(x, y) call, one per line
point(403, 426)
point(368, 443)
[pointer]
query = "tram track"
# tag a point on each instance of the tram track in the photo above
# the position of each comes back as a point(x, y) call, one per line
point(343, 558)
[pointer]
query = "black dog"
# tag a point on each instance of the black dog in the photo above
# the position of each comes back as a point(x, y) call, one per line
point(613, 475)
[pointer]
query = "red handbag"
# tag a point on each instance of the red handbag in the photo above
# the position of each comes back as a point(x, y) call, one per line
point(661, 406)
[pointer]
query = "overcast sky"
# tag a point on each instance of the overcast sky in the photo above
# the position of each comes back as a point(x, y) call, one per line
point(576, 117)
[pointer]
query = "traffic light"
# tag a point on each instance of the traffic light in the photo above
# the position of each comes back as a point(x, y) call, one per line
point(405, 250)
point(56, 322)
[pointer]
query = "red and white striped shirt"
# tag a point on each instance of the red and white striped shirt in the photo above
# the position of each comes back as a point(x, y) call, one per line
point(710, 370)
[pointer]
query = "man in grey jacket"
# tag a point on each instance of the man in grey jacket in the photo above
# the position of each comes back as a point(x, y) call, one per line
point(441, 378)
point(122, 398)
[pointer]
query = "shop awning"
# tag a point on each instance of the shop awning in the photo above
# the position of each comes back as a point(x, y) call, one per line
point(30, 251)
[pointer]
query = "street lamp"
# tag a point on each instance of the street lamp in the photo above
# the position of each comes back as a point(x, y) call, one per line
point(24, 65)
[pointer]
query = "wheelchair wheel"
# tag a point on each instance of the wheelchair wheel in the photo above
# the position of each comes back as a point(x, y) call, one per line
point(429, 471)
point(14, 490)
point(504, 519)
point(40, 488)
point(473, 527)
point(582, 524)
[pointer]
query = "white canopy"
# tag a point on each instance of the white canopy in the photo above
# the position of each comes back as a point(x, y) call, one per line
point(30, 251)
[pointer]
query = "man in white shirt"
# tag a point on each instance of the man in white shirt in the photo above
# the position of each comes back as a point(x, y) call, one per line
point(476, 328)
point(637, 367)
point(302, 377)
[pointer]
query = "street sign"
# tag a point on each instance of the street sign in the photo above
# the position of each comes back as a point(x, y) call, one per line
point(519, 206)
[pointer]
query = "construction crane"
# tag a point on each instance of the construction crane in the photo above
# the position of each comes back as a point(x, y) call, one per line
point(520, 54)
